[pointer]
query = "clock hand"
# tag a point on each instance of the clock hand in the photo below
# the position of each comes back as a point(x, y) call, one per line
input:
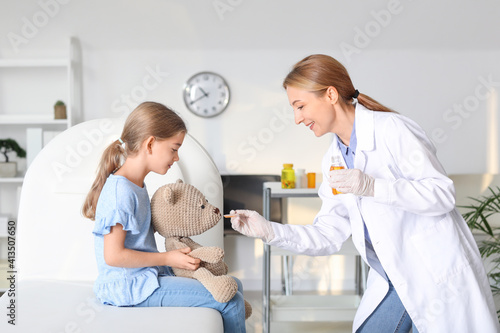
point(196, 100)
point(203, 91)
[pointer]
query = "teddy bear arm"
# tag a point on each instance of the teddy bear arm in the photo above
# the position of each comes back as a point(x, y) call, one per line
point(189, 242)
point(173, 243)
point(211, 254)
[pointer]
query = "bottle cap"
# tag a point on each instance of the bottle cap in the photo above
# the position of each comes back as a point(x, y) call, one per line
point(288, 165)
point(336, 160)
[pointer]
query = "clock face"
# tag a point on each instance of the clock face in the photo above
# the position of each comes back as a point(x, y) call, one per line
point(206, 94)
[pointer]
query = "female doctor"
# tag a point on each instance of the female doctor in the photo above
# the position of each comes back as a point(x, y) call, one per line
point(396, 203)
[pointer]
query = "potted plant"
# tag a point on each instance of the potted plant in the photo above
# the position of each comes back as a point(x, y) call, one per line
point(59, 110)
point(479, 217)
point(9, 169)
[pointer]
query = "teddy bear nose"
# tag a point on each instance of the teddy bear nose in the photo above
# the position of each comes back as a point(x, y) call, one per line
point(216, 210)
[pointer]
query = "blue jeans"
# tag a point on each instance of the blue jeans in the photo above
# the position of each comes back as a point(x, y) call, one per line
point(179, 291)
point(389, 316)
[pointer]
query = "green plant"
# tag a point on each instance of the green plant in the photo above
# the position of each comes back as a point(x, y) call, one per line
point(477, 217)
point(58, 103)
point(8, 145)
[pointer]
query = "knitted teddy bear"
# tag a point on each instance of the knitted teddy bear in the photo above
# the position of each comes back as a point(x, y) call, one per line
point(180, 210)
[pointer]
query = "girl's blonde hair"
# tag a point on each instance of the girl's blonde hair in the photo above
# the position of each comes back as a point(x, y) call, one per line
point(148, 119)
point(317, 72)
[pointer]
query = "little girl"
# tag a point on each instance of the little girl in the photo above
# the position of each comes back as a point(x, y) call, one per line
point(131, 270)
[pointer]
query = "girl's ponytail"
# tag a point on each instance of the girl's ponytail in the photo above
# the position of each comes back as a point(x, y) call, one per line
point(111, 160)
point(147, 119)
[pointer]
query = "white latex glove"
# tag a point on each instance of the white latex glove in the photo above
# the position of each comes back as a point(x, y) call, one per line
point(352, 181)
point(251, 223)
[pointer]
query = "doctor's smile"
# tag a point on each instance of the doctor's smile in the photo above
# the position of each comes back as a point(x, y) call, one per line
point(168, 165)
point(370, 162)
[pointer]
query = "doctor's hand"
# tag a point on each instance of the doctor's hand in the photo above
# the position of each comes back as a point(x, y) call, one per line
point(252, 224)
point(352, 181)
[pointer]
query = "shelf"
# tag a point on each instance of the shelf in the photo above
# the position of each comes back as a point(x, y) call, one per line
point(27, 119)
point(12, 180)
point(3, 275)
point(30, 87)
point(288, 307)
point(328, 308)
point(278, 192)
point(62, 62)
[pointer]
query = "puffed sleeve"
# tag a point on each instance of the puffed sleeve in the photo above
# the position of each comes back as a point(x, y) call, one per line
point(104, 223)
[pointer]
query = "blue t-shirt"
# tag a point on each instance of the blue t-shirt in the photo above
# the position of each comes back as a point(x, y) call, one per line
point(123, 202)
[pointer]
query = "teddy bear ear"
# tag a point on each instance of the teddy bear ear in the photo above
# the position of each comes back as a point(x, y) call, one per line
point(179, 181)
point(168, 195)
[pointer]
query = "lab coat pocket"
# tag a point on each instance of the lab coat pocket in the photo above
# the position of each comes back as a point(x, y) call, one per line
point(443, 250)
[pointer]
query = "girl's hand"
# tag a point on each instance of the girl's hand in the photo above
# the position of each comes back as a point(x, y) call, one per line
point(117, 255)
point(180, 259)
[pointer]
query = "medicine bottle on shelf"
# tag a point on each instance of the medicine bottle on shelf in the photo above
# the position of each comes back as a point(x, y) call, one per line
point(287, 176)
point(336, 165)
point(300, 178)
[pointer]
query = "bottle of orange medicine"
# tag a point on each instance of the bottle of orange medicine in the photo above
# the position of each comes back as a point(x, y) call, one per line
point(287, 176)
point(336, 165)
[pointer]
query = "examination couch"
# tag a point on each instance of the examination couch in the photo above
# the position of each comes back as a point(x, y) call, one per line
point(55, 263)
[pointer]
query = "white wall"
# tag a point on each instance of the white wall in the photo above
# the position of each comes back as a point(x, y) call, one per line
point(435, 61)
point(426, 59)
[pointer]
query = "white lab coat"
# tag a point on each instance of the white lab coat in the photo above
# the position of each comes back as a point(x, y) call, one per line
point(421, 240)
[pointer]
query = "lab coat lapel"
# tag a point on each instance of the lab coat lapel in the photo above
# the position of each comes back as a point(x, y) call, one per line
point(335, 151)
point(351, 202)
point(365, 135)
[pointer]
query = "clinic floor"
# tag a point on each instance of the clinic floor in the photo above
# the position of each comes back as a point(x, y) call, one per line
point(254, 323)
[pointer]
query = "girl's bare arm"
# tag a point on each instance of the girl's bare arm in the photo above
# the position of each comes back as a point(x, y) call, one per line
point(116, 254)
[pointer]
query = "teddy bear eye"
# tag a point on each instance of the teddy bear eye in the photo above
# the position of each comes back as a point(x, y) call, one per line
point(202, 206)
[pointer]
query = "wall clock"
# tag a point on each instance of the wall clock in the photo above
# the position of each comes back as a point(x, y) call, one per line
point(206, 94)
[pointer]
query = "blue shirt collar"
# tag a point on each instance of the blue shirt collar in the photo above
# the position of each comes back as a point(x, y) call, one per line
point(353, 141)
point(348, 152)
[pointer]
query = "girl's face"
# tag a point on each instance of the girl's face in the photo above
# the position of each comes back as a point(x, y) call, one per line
point(315, 112)
point(165, 152)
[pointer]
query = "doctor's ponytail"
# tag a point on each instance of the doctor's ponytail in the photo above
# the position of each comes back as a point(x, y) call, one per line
point(317, 72)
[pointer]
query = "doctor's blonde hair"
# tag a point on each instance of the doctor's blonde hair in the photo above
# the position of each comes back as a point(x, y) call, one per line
point(317, 72)
point(147, 119)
